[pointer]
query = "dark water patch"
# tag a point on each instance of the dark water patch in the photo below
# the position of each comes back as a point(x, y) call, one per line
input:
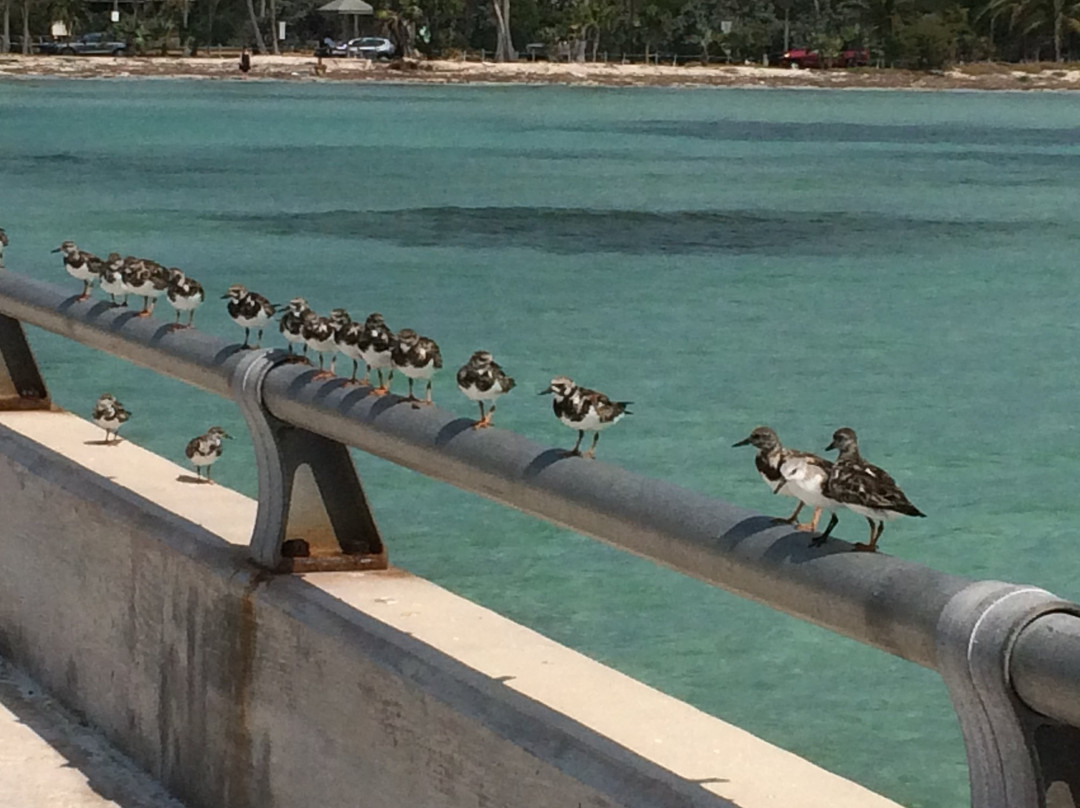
point(843, 132)
point(576, 231)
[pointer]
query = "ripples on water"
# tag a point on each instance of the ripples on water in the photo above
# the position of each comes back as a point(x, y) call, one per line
point(899, 262)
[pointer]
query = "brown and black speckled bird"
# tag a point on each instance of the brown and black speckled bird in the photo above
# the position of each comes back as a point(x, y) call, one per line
point(481, 379)
point(418, 358)
point(864, 488)
point(584, 410)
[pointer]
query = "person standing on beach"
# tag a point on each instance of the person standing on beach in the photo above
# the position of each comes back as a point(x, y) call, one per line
point(245, 62)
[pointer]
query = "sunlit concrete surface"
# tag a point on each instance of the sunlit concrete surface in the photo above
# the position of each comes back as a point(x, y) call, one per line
point(48, 759)
point(617, 724)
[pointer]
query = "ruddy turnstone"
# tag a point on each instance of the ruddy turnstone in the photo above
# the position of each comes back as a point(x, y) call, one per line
point(110, 415)
point(204, 450)
point(292, 326)
point(584, 410)
point(185, 294)
point(348, 339)
point(808, 473)
point(864, 488)
point(149, 280)
point(319, 334)
point(248, 310)
point(112, 278)
point(376, 346)
point(78, 265)
point(3, 243)
point(481, 379)
point(418, 358)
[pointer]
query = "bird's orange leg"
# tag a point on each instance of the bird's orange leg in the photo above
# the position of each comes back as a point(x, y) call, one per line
point(384, 387)
point(812, 526)
point(485, 420)
point(875, 534)
point(592, 449)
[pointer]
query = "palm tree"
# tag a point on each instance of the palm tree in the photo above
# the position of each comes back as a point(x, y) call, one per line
point(1026, 17)
point(260, 45)
point(504, 47)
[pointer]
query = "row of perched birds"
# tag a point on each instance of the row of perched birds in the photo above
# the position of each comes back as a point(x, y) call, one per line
point(417, 357)
point(848, 483)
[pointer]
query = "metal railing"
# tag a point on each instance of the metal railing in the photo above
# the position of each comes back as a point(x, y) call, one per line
point(1009, 655)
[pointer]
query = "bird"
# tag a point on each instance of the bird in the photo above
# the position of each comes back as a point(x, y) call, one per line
point(319, 334)
point(249, 310)
point(339, 321)
point(864, 488)
point(110, 415)
point(348, 339)
point(376, 346)
point(112, 278)
point(584, 410)
point(77, 263)
point(418, 358)
point(185, 294)
point(481, 379)
point(204, 450)
point(808, 473)
point(3, 243)
point(148, 279)
point(292, 326)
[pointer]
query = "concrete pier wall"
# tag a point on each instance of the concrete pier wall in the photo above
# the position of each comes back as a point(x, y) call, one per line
point(126, 592)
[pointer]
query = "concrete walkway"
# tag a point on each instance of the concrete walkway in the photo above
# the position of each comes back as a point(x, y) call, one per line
point(49, 759)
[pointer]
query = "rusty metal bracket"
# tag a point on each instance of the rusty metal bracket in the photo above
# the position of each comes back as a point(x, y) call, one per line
point(21, 385)
point(313, 514)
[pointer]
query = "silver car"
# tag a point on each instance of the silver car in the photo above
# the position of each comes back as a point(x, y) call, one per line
point(370, 47)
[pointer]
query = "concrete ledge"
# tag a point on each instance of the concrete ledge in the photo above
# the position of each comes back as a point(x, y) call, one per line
point(127, 593)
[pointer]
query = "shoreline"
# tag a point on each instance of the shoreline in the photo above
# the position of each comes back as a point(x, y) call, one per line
point(980, 76)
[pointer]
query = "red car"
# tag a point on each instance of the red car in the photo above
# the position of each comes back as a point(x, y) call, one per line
point(803, 57)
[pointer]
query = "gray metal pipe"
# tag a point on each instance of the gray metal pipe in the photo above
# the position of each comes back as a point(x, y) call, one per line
point(882, 601)
point(1045, 667)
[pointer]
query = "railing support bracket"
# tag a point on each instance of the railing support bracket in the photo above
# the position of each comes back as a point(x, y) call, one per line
point(1016, 757)
point(21, 385)
point(313, 515)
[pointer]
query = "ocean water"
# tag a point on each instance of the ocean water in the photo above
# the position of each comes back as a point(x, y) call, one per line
point(902, 263)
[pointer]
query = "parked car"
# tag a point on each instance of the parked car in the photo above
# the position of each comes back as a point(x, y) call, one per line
point(85, 45)
point(804, 57)
point(366, 47)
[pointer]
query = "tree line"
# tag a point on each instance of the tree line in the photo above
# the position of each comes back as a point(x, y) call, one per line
point(919, 34)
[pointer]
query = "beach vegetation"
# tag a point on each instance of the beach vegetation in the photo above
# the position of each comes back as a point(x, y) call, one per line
point(913, 34)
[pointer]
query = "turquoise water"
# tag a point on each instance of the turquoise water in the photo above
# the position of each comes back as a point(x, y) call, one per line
point(898, 262)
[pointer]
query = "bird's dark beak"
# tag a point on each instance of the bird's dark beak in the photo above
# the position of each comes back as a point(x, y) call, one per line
point(830, 447)
point(745, 442)
point(226, 435)
point(225, 297)
point(56, 250)
point(544, 392)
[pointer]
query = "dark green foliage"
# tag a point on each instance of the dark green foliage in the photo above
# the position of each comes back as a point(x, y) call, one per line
point(928, 43)
point(919, 34)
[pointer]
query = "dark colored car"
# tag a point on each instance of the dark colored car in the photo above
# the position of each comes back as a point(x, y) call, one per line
point(85, 45)
point(804, 57)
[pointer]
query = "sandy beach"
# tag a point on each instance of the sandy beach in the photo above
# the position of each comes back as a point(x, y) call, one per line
point(980, 76)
